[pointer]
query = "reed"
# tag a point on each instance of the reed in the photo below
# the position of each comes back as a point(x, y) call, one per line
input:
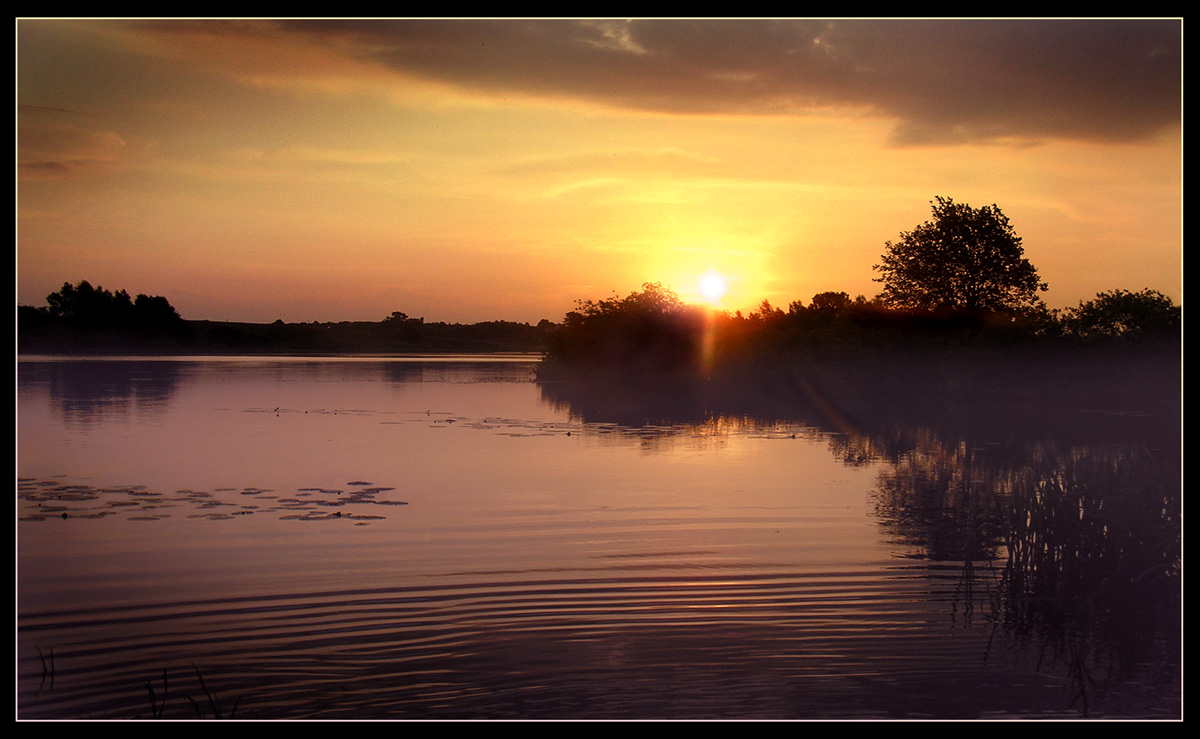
point(156, 708)
point(158, 703)
point(47, 668)
point(213, 703)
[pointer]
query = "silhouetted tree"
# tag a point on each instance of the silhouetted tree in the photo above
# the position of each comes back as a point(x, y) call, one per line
point(966, 258)
point(1124, 313)
point(651, 330)
point(84, 306)
point(401, 317)
point(91, 308)
point(830, 301)
point(766, 312)
point(155, 311)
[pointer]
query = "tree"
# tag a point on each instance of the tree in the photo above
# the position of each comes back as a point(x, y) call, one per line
point(654, 300)
point(1124, 313)
point(766, 313)
point(967, 259)
point(86, 307)
point(651, 330)
point(155, 311)
point(830, 302)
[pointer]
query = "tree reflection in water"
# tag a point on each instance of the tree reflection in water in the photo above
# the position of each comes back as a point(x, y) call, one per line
point(1066, 524)
point(85, 391)
point(1089, 538)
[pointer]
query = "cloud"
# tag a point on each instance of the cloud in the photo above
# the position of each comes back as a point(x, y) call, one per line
point(942, 81)
point(52, 146)
point(622, 159)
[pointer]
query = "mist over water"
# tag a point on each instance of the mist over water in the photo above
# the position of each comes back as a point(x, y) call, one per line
point(444, 537)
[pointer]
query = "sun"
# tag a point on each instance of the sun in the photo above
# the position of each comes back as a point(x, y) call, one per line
point(713, 286)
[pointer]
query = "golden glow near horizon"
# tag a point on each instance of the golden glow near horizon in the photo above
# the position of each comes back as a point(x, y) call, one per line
point(342, 170)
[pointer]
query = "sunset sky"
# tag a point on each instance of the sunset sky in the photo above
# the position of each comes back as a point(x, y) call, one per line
point(472, 170)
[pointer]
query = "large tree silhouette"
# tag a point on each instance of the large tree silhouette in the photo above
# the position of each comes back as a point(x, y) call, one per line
point(966, 258)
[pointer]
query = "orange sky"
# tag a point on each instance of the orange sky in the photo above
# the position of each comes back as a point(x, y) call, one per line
point(499, 170)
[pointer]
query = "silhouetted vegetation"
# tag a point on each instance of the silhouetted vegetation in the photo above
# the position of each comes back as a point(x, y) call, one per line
point(651, 332)
point(965, 259)
point(78, 311)
point(1121, 313)
point(958, 283)
point(953, 287)
point(85, 319)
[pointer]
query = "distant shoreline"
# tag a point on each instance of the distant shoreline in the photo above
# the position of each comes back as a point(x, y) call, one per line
point(217, 338)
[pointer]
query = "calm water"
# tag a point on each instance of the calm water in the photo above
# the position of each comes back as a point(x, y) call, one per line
point(445, 538)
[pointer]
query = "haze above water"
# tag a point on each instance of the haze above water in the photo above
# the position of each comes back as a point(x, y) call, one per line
point(443, 537)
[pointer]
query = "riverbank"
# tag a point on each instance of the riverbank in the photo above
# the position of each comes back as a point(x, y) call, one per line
point(345, 337)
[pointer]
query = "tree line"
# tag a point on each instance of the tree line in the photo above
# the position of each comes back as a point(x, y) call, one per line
point(86, 307)
point(83, 318)
point(959, 279)
point(962, 275)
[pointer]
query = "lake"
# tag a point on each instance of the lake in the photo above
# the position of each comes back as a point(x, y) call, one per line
point(445, 538)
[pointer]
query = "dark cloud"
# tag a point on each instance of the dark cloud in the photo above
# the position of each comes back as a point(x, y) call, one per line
point(953, 80)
